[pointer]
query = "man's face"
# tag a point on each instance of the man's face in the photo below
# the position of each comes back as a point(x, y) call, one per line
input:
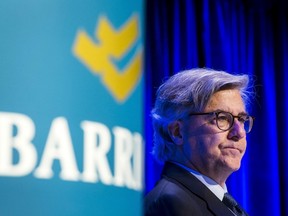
point(208, 149)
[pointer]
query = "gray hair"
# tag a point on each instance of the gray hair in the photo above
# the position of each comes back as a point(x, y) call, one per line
point(185, 92)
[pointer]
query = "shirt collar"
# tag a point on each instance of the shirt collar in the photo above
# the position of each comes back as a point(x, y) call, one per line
point(217, 189)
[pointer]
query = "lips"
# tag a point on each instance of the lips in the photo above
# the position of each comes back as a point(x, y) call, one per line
point(233, 148)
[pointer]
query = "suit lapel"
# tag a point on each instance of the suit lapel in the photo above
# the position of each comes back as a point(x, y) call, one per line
point(191, 183)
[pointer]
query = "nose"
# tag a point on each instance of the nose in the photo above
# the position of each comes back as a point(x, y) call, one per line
point(237, 131)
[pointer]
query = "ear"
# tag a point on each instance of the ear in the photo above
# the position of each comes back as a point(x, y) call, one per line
point(175, 132)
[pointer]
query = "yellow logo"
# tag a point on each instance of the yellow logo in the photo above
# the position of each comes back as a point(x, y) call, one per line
point(113, 44)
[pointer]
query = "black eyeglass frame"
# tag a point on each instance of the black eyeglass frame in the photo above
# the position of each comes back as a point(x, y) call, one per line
point(216, 113)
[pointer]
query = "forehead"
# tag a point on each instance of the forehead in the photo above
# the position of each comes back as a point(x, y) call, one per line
point(227, 100)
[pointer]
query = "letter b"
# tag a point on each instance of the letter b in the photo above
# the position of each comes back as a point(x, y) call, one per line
point(16, 132)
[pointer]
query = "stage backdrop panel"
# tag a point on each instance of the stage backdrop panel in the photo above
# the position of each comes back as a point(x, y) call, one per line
point(71, 85)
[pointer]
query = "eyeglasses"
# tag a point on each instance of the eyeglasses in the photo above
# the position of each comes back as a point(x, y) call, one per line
point(225, 120)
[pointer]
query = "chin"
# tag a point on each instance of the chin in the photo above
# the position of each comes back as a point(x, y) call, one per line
point(233, 164)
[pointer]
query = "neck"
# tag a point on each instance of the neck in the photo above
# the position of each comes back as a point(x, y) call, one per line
point(218, 175)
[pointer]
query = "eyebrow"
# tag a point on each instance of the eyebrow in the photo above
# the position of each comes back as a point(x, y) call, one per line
point(241, 113)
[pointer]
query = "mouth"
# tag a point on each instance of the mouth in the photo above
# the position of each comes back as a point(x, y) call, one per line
point(233, 149)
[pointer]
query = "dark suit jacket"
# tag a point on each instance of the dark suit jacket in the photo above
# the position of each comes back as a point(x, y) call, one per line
point(179, 193)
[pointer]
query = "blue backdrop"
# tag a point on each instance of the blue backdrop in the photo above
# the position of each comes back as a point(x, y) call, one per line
point(239, 37)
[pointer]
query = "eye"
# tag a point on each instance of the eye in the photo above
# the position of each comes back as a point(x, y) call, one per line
point(243, 118)
point(223, 117)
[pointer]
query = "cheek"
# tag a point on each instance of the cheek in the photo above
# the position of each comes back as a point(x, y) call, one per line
point(202, 142)
point(214, 141)
point(212, 146)
point(207, 146)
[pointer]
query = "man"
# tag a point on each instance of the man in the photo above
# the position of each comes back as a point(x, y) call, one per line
point(200, 125)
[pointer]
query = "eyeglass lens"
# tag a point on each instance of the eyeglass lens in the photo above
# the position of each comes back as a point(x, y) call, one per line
point(225, 121)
